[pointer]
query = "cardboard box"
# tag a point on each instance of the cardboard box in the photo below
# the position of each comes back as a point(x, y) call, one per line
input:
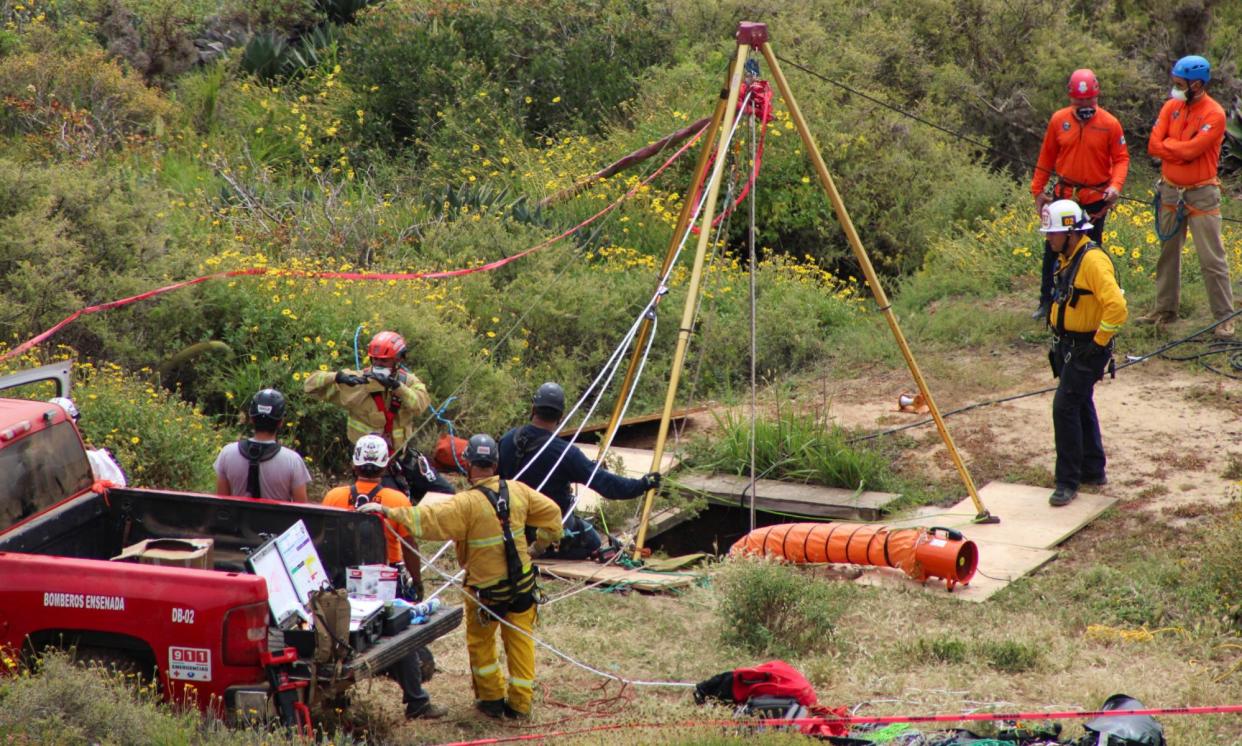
point(194, 553)
point(372, 581)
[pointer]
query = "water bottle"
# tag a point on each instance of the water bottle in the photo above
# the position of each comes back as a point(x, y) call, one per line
point(426, 608)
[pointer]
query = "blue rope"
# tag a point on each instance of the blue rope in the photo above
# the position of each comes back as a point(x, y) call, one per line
point(357, 359)
point(1177, 224)
point(448, 424)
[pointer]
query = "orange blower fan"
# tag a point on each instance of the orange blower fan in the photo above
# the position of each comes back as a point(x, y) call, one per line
point(921, 553)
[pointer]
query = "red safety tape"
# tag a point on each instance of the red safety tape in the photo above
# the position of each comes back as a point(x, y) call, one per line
point(369, 276)
point(874, 720)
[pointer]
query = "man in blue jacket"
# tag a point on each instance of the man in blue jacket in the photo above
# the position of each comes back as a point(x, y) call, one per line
point(558, 466)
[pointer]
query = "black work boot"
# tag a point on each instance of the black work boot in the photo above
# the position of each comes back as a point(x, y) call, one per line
point(1063, 495)
point(426, 712)
point(513, 714)
point(493, 708)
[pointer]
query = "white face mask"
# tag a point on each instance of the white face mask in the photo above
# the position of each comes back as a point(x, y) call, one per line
point(382, 372)
point(1177, 94)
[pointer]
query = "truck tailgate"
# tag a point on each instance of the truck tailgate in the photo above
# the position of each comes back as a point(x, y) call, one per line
point(389, 650)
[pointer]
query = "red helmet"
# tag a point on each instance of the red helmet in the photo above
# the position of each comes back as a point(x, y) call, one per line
point(386, 346)
point(1083, 84)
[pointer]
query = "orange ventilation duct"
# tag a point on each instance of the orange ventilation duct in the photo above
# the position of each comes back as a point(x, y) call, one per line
point(921, 553)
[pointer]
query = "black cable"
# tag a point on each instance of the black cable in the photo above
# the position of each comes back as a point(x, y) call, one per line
point(966, 138)
point(1225, 346)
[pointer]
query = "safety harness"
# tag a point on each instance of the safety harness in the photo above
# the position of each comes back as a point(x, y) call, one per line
point(256, 452)
point(518, 591)
point(527, 441)
point(1066, 295)
point(358, 499)
point(388, 410)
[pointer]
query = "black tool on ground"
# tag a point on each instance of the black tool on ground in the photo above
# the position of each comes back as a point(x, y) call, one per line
point(1126, 730)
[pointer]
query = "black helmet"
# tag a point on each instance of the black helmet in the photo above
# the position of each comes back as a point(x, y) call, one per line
point(482, 450)
point(549, 396)
point(267, 408)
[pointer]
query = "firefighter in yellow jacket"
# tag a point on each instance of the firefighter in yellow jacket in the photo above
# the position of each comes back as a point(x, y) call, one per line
point(384, 398)
point(1087, 310)
point(488, 525)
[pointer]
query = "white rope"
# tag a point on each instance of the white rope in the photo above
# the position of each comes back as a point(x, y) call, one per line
point(453, 580)
point(642, 363)
point(613, 361)
point(650, 309)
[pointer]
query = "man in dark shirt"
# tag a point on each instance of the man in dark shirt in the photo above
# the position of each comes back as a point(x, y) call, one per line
point(552, 469)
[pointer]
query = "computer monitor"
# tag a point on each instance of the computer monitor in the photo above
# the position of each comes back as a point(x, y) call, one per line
point(282, 595)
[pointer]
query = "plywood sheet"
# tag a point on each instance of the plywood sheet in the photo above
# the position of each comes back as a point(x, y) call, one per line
point(999, 565)
point(786, 497)
point(592, 572)
point(635, 462)
point(642, 419)
point(1026, 517)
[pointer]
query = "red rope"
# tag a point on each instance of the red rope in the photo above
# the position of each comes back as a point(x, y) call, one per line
point(875, 720)
point(435, 275)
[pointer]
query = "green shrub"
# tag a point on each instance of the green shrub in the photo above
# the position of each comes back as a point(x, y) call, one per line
point(78, 104)
point(772, 609)
point(157, 439)
point(72, 235)
point(571, 63)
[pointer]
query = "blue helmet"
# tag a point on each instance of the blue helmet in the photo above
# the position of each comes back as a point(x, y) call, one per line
point(1193, 67)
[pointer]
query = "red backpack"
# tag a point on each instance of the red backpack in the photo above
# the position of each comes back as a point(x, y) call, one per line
point(773, 679)
point(776, 690)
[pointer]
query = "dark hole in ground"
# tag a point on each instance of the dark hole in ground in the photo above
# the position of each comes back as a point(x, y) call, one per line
point(715, 530)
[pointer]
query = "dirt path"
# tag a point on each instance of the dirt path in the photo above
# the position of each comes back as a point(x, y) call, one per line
point(1169, 432)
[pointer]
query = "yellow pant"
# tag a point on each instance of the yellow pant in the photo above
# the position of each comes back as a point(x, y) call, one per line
point(489, 684)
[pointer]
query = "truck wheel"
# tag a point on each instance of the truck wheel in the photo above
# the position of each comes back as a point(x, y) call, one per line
point(113, 661)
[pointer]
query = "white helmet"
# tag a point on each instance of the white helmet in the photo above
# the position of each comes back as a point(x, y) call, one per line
point(66, 404)
point(371, 450)
point(1063, 216)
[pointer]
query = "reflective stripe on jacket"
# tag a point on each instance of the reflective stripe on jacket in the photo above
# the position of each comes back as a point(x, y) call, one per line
point(469, 520)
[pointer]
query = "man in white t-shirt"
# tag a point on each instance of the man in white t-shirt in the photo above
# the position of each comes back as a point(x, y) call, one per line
point(258, 466)
point(103, 465)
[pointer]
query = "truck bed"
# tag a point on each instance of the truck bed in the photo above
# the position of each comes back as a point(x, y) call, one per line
point(96, 526)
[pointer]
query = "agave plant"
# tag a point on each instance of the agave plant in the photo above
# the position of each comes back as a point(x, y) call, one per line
point(485, 198)
point(1231, 149)
point(265, 55)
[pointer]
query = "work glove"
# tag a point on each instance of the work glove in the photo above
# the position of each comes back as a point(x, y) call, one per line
point(349, 379)
point(373, 507)
point(411, 589)
point(389, 382)
point(1111, 195)
point(651, 481)
point(1041, 200)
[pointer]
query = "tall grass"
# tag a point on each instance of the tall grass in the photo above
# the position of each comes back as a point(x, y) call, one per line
point(794, 446)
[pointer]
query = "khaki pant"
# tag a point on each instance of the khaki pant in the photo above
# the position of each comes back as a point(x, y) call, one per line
point(489, 682)
point(1203, 219)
